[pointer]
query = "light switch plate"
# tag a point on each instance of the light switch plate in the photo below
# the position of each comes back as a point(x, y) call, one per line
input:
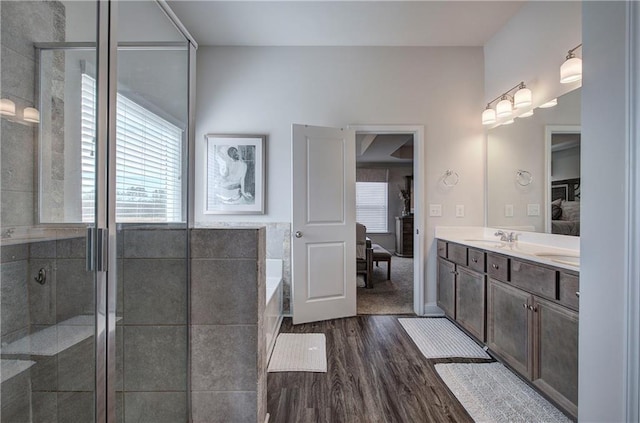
point(459, 210)
point(508, 210)
point(435, 210)
point(533, 209)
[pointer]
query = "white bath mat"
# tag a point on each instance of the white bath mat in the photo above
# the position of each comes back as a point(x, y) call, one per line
point(299, 352)
point(439, 338)
point(492, 393)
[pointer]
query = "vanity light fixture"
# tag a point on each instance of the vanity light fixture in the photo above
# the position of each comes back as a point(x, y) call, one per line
point(504, 107)
point(509, 122)
point(7, 107)
point(526, 114)
point(488, 116)
point(31, 114)
point(522, 98)
point(571, 69)
point(549, 104)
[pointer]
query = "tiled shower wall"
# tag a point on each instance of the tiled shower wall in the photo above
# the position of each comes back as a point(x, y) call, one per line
point(228, 345)
point(228, 342)
point(278, 247)
point(22, 25)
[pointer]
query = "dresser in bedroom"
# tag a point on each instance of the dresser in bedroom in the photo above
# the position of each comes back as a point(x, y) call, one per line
point(404, 236)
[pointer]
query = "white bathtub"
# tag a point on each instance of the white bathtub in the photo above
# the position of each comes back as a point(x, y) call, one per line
point(273, 310)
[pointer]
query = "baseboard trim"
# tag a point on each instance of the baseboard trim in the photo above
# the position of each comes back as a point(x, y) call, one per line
point(432, 310)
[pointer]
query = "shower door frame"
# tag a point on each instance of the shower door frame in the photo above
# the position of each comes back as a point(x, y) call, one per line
point(102, 248)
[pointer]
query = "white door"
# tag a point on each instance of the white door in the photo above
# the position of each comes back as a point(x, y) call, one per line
point(323, 229)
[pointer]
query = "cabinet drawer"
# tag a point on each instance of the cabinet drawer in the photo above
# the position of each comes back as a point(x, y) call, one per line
point(457, 254)
point(442, 249)
point(498, 267)
point(569, 286)
point(476, 260)
point(533, 278)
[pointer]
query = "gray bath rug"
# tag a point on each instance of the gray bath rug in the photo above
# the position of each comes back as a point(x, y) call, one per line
point(439, 338)
point(492, 393)
point(299, 352)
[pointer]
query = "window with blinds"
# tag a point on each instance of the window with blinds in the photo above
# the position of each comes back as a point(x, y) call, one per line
point(148, 162)
point(372, 206)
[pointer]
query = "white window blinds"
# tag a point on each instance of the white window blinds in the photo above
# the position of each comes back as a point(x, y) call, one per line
point(372, 206)
point(148, 162)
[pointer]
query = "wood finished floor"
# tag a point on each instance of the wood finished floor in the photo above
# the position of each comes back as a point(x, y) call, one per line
point(375, 374)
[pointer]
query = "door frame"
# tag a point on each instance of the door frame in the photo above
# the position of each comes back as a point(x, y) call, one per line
point(418, 212)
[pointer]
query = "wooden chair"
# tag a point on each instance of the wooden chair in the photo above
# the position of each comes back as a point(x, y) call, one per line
point(364, 255)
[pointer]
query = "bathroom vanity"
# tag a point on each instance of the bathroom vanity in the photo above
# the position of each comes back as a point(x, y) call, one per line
point(520, 299)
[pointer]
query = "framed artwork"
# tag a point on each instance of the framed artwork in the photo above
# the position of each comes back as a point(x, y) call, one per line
point(235, 174)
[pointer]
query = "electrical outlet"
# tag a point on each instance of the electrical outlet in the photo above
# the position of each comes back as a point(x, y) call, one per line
point(533, 209)
point(508, 210)
point(459, 210)
point(435, 210)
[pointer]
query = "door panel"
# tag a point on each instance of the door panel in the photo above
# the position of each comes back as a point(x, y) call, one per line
point(326, 283)
point(447, 287)
point(323, 213)
point(325, 184)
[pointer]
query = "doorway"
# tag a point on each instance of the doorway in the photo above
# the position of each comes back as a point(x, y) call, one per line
point(388, 158)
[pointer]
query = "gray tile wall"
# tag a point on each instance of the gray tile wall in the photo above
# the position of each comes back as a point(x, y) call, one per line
point(278, 246)
point(55, 384)
point(228, 351)
point(152, 336)
point(22, 24)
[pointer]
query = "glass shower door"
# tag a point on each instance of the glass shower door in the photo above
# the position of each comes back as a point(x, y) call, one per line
point(48, 310)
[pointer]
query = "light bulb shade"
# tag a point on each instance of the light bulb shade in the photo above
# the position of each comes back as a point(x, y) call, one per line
point(488, 117)
point(548, 104)
point(503, 108)
point(571, 70)
point(522, 98)
point(527, 114)
point(31, 114)
point(7, 107)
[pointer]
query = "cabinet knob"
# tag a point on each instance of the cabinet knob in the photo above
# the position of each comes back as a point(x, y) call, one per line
point(525, 305)
point(578, 294)
point(475, 260)
point(495, 266)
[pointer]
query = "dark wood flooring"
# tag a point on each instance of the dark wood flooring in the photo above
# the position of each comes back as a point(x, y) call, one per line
point(375, 374)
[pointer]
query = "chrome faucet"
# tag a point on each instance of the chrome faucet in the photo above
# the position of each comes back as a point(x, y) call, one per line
point(507, 237)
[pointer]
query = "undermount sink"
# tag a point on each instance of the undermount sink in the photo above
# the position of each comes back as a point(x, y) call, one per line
point(561, 258)
point(489, 242)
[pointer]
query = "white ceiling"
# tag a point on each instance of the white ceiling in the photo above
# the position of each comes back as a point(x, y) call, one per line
point(379, 151)
point(344, 23)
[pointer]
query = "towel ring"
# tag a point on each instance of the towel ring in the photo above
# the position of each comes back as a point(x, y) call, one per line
point(523, 177)
point(450, 178)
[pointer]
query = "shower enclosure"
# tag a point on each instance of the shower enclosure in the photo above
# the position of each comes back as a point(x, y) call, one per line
point(95, 140)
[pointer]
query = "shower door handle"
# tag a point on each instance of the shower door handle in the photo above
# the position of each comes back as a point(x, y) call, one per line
point(97, 249)
point(90, 250)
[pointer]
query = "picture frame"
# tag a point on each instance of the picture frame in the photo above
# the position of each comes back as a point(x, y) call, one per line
point(235, 174)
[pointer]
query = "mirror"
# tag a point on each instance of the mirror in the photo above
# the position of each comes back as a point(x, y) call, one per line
point(535, 161)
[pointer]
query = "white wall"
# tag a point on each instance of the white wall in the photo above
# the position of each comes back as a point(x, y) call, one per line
point(565, 164)
point(531, 48)
point(263, 90)
point(604, 229)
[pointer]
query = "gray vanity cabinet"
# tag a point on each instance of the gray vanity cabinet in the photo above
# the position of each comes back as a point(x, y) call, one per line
point(470, 301)
point(509, 326)
point(555, 343)
point(447, 287)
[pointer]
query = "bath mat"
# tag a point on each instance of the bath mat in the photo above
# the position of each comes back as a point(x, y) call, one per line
point(492, 393)
point(299, 352)
point(439, 338)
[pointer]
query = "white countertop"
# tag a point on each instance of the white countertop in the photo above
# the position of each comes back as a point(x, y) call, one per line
point(554, 250)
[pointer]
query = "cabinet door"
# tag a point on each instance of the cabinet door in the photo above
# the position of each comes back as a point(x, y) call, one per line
point(447, 287)
point(509, 325)
point(470, 301)
point(555, 341)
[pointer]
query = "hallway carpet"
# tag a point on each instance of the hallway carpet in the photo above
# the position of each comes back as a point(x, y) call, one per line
point(393, 296)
